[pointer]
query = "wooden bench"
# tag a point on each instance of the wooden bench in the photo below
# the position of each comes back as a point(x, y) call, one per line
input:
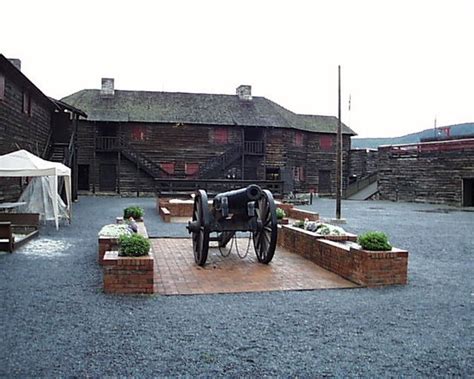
point(16, 229)
point(165, 214)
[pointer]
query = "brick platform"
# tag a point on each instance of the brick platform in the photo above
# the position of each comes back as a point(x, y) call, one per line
point(343, 257)
point(128, 275)
point(178, 274)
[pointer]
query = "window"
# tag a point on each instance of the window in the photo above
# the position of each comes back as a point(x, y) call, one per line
point(326, 142)
point(298, 174)
point(2, 87)
point(138, 133)
point(191, 168)
point(272, 173)
point(26, 103)
point(221, 135)
point(298, 139)
point(168, 167)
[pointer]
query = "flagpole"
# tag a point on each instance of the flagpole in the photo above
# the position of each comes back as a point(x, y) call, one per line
point(339, 151)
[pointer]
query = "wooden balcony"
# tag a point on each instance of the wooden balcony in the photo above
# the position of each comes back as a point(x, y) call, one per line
point(254, 148)
point(107, 143)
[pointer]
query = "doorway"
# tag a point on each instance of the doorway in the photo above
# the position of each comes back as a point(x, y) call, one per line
point(107, 177)
point(468, 192)
point(83, 177)
point(324, 181)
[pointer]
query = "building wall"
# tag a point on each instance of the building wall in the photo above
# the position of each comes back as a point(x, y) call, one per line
point(196, 144)
point(19, 130)
point(363, 162)
point(427, 174)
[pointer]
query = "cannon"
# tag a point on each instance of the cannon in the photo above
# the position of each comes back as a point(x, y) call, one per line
point(249, 209)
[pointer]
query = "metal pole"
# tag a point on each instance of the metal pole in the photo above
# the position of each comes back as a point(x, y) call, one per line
point(339, 151)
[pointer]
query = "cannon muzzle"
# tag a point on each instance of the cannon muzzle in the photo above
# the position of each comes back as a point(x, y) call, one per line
point(236, 201)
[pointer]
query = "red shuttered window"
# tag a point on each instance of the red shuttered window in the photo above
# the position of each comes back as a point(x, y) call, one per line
point(326, 142)
point(191, 169)
point(2, 86)
point(138, 133)
point(26, 103)
point(298, 139)
point(221, 135)
point(168, 167)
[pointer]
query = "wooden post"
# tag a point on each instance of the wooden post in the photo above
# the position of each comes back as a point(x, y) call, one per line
point(75, 164)
point(138, 179)
point(94, 168)
point(339, 151)
point(119, 153)
point(242, 175)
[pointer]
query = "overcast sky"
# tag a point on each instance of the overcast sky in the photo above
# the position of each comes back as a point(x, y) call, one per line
point(404, 63)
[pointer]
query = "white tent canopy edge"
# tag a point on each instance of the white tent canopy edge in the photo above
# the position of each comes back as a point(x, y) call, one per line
point(22, 163)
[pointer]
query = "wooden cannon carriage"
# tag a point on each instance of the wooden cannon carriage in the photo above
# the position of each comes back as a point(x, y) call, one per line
point(249, 209)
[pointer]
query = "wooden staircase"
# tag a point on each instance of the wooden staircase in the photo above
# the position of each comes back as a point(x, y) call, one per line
point(218, 165)
point(142, 161)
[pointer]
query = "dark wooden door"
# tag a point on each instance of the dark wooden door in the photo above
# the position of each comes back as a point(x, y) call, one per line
point(468, 192)
point(107, 177)
point(83, 177)
point(324, 181)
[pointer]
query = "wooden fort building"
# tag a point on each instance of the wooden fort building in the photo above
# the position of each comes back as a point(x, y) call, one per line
point(139, 141)
point(32, 121)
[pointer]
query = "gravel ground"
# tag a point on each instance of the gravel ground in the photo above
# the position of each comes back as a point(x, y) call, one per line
point(55, 320)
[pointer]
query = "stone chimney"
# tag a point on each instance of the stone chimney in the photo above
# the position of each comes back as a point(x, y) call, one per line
point(244, 92)
point(15, 62)
point(107, 89)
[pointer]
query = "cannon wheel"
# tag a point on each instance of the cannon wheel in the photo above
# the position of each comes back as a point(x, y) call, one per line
point(265, 238)
point(201, 235)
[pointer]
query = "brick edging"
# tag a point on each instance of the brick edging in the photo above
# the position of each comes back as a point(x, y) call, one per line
point(367, 268)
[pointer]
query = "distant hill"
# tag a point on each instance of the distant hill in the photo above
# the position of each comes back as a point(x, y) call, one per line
point(372, 143)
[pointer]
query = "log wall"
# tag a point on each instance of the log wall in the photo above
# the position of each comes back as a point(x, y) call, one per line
point(181, 144)
point(362, 162)
point(19, 130)
point(433, 176)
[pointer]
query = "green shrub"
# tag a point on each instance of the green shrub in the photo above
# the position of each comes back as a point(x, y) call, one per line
point(280, 213)
point(374, 241)
point(134, 211)
point(299, 224)
point(134, 245)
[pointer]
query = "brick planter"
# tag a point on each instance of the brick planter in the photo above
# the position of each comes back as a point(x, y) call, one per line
point(176, 209)
point(343, 257)
point(128, 275)
point(300, 214)
point(111, 244)
point(106, 244)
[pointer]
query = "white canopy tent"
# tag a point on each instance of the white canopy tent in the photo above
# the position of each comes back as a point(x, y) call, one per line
point(23, 163)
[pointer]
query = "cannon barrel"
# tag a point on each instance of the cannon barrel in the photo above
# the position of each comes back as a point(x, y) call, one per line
point(237, 200)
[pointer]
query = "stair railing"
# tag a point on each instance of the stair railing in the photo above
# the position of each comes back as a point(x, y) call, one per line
point(221, 161)
point(360, 185)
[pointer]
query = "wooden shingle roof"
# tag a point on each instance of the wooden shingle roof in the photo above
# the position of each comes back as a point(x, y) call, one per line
point(195, 108)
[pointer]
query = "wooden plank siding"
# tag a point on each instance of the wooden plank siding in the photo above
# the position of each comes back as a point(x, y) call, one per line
point(176, 145)
point(424, 176)
point(27, 131)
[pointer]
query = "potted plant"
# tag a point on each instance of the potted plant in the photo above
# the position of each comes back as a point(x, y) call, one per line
point(281, 216)
point(133, 211)
point(374, 241)
point(133, 245)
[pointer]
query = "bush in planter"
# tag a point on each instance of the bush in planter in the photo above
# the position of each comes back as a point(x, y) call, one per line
point(280, 213)
point(134, 245)
point(374, 241)
point(134, 211)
